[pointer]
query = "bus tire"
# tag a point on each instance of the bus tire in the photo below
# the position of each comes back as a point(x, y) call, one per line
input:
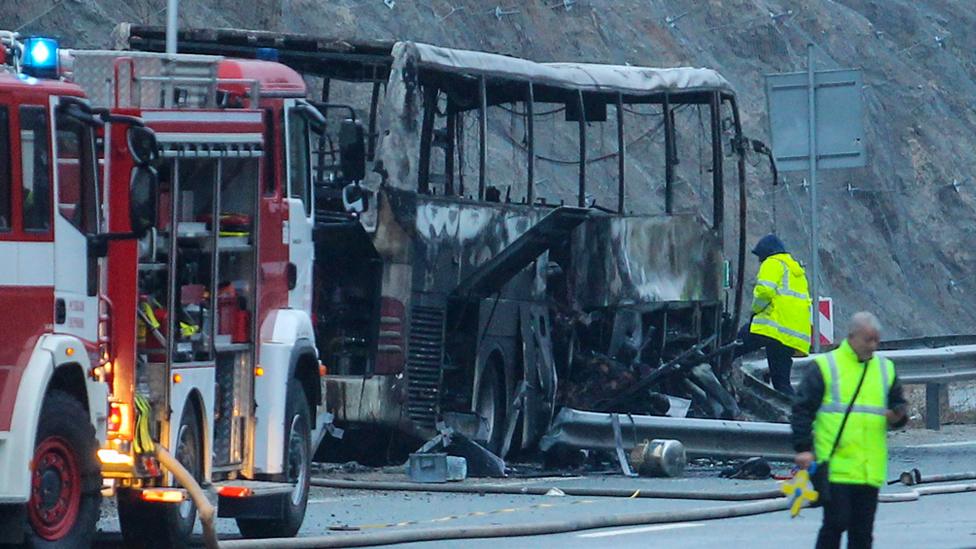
point(491, 404)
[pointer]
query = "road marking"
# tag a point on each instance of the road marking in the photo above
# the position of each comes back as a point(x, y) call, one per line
point(941, 445)
point(502, 511)
point(527, 481)
point(640, 530)
point(335, 500)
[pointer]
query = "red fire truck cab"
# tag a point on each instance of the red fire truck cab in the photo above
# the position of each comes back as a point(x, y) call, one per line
point(168, 301)
point(53, 337)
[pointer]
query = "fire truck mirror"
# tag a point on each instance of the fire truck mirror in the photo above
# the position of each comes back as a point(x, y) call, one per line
point(352, 150)
point(142, 145)
point(142, 199)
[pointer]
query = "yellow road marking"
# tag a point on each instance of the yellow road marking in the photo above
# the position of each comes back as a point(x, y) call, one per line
point(448, 518)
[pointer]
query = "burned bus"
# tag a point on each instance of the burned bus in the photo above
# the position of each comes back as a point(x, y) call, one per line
point(498, 238)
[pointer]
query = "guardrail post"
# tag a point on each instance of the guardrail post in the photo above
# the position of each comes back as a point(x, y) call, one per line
point(933, 405)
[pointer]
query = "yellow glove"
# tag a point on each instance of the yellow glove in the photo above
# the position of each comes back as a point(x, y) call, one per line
point(799, 490)
point(187, 330)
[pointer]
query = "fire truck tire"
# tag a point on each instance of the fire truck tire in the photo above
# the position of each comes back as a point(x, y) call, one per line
point(298, 469)
point(491, 404)
point(66, 479)
point(165, 525)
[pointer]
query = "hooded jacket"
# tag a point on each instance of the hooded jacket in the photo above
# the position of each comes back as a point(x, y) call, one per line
point(769, 245)
point(781, 300)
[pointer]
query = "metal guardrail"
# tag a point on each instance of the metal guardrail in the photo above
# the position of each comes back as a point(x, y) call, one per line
point(929, 366)
point(917, 366)
point(928, 342)
point(571, 428)
point(700, 437)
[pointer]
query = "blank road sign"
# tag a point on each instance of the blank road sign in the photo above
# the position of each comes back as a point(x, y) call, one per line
point(840, 130)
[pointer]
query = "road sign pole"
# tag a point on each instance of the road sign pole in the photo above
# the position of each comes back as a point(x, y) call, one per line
point(833, 138)
point(172, 23)
point(814, 229)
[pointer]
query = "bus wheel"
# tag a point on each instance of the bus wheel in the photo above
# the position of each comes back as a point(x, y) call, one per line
point(491, 406)
point(298, 470)
point(65, 476)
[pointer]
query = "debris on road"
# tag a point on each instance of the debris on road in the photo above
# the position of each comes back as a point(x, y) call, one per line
point(480, 462)
point(659, 457)
point(436, 467)
point(755, 468)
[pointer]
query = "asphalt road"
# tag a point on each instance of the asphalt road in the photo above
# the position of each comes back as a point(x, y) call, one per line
point(943, 521)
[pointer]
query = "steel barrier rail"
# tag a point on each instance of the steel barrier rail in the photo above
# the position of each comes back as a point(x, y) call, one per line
point(932, 367)
point(928, 341)
point(916, 366)
point(700, 437)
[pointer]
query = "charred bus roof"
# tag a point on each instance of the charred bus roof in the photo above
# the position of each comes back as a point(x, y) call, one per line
point(371, 60)
point(636, 84)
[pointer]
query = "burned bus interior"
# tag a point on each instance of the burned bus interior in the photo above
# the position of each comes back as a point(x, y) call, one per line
point(513, 235)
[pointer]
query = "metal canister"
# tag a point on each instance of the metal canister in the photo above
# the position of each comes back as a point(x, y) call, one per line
point(659, 458)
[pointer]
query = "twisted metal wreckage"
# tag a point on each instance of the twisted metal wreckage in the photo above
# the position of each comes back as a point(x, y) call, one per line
point(453, 281)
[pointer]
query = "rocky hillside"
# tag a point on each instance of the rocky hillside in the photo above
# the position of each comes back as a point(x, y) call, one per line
point(897, 236)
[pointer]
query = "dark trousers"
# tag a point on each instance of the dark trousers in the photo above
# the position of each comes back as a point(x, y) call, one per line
point(779, 357)
point(850, 509)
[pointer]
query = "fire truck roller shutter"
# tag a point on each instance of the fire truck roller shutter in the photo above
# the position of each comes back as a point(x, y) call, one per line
point(50, 360)
point(286, 350)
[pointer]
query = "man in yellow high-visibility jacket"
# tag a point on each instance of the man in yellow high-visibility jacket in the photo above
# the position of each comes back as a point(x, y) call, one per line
point(857, 456)
point(780, 312)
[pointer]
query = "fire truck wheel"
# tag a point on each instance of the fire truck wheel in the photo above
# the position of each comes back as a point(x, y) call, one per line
point(491, 405)
point(66, 480)
point(298, 470)
point(159, 525)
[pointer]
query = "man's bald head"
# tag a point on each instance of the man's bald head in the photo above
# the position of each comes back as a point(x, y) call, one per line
point(863, 320)
point(864, 335)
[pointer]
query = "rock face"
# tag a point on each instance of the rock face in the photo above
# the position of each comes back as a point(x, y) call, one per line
point(896, 236)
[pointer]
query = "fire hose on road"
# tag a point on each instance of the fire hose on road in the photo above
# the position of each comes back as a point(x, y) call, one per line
point(913, 477)
point(768, 504)
point(204, 508)
point(541, 490)
point(517, 530)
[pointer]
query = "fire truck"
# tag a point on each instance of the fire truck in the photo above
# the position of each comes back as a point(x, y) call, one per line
point(163, 263)
point(52, 392)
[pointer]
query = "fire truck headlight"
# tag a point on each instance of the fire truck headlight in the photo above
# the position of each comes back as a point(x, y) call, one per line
point(109, 456)
point(41, 57)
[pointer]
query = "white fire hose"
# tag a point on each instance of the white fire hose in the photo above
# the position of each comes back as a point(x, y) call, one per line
point(204, 509)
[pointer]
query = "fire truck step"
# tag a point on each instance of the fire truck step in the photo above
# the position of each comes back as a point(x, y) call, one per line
point(252, 499)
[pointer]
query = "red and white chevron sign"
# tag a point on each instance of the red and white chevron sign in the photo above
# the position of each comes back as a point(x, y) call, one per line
point(826, 312)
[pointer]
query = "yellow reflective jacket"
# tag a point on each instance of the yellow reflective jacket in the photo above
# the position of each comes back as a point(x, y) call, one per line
point(781, 303)
point(862, 452)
